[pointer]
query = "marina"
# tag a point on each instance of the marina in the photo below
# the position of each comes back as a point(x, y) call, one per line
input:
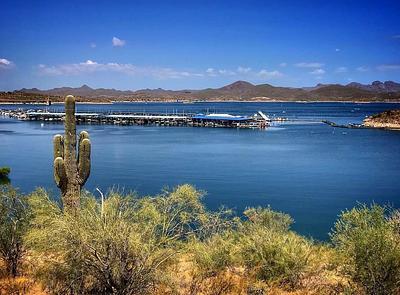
point(221, 120)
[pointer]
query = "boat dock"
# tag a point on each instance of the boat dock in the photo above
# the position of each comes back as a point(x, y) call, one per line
point(258, 120)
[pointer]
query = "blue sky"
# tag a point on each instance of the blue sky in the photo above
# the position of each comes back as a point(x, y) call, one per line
point(196, 44)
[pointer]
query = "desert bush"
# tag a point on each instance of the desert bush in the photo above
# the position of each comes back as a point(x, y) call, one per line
point(14, 222)
point(118, 246)
point(101, 250)
point(259, 247)
point(214, 264)
point(180, 214)
point(395, 220)
point(214, 255)
point(268, 218)
point(170, 244)
point(270, 251)
point(275, 257)
point(369, 239)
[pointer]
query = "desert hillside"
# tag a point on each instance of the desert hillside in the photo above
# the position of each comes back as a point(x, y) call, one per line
point(237, 91)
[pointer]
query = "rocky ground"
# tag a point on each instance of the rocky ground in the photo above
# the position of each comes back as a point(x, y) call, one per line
point(387, 120)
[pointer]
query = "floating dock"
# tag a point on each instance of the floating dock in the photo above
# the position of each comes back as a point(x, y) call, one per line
point(258, 120)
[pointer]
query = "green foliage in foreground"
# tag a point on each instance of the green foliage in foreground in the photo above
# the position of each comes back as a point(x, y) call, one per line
point(130, 245)
point(263, 243)
point(117, 246)
point(369, 239)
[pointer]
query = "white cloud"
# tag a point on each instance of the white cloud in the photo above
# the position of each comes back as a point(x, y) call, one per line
point(89, 62)
point(90, 66)
point(341, 70)
point(388, 67)
point(362, 69)
point(266, 74)
point(283, 64)
point(211, 72)
point(118, 42)
point(317, 72)
point(6, 64)
point(337, 49)
point(309, 65)
point(243, 70)
point(93, 45)
point(226, 72)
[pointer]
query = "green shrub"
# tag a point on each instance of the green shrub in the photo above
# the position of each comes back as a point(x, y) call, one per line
point(262, 243)
point(129, 245)
point(4, 171)
point(369, 238)
point(274, 256)
point(268, 218)
point(117, 246)
point(270, 250)
point(214, 255)
point(14, 222)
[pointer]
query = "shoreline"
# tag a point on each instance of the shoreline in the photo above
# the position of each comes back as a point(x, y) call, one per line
point(387, 120)
point(382, 126)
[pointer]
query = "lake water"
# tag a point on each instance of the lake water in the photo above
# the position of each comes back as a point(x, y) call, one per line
point(305, 168)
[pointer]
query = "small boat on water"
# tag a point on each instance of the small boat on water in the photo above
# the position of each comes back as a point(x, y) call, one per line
point(222, 117)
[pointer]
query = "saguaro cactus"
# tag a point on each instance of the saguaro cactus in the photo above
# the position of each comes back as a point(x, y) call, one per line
point(70, 171)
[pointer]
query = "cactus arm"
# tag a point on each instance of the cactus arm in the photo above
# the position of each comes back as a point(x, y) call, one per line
point(58, 144)
point(84, 160)
point(60, 176)
point(82, 135)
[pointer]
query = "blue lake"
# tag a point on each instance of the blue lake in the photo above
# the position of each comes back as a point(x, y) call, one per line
point(305, 168)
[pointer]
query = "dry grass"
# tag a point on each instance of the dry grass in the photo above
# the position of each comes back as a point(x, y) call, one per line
point(183, 279)
point(20, 286)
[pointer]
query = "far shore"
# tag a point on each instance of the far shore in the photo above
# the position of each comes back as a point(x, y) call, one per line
point(195, 102)
point(56, 102)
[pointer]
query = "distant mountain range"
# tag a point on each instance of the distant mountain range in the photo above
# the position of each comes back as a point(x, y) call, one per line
point(240, 90)
point(378, 86)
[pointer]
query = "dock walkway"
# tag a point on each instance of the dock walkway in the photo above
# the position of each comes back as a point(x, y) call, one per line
point(187, 119)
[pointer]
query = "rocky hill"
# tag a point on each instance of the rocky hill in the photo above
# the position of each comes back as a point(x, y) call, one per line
point(388, 120)
point(378, 86)
point(237, 91)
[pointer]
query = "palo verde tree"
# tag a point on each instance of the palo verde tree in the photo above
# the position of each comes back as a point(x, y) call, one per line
point(71, 170)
